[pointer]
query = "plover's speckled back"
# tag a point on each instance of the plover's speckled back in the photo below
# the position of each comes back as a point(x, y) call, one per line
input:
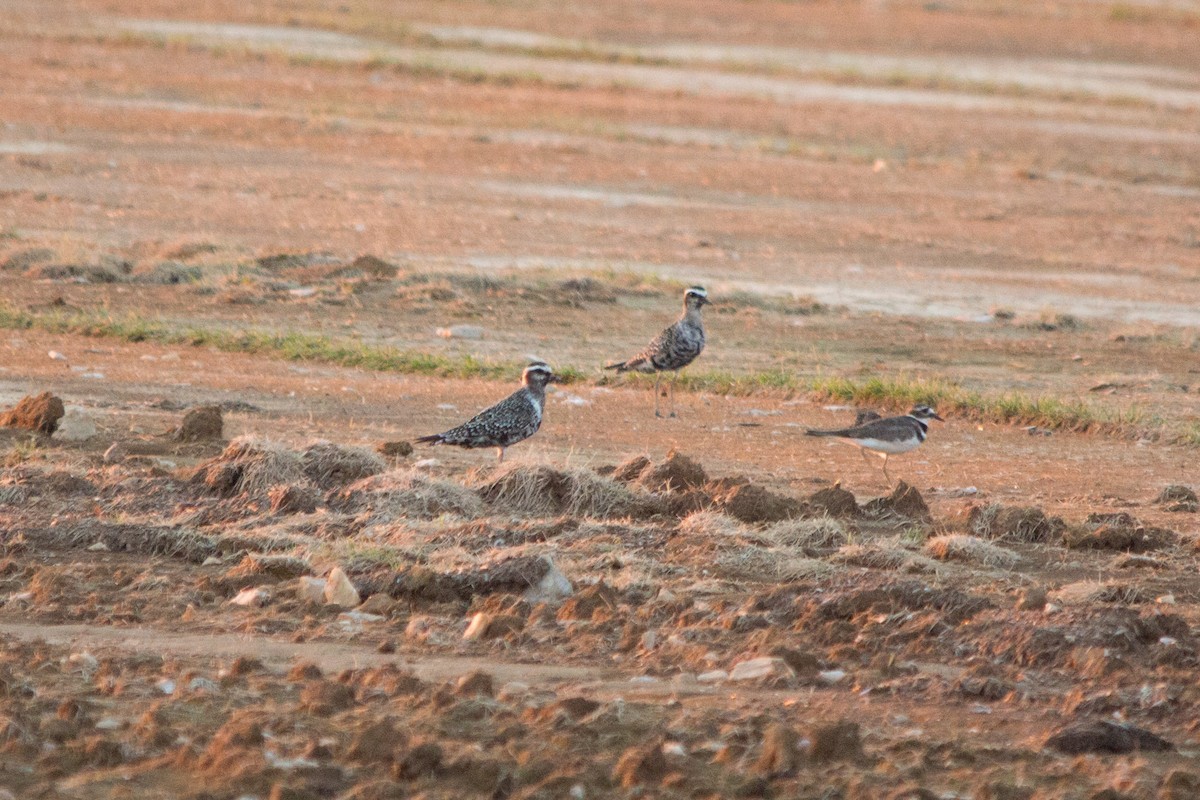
point(512, 420)
point(887, 436)
point(674, 348)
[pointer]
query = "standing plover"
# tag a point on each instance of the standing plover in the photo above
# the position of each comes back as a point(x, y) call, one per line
point(887, 436)
point(674, 348)
point(513, 419)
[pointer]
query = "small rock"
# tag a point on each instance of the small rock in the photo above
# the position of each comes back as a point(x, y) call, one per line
point(829, 677)
point(340, 591)
point(554, 585)
point(75, 426)
point(98, 547)
point(311, 589)
point(712, 676)
point(253, 597)
point(766, 668)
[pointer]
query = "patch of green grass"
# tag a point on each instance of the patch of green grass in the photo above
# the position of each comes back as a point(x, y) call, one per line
point(1011, 408)
point(1189, 436)
point(293, 346)
point(896, 394)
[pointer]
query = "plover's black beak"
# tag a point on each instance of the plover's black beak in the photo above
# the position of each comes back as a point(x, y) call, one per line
point(554, 379)
point(939, 419)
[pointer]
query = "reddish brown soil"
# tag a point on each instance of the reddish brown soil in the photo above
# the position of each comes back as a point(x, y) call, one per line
point(860, 187)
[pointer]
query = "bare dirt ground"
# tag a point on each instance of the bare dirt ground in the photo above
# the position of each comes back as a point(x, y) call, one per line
point(1002, 198)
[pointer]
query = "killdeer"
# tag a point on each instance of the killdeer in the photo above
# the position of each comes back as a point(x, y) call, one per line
point(512, 420)
point(674, 348)
point(887, 436)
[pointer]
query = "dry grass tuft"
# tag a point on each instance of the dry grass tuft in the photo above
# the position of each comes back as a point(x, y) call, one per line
point(1083, 593)
point(332, 465)
point(712, 524)
point(809, 535)
point(250, 465)
point(539, 490)
point(403, 494)
point(766, 565)
point(970, 549)
point(884, 555)
point(1014, 524)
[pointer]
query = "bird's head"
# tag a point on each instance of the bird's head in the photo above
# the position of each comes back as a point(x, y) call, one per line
point(924, 412)
point(696, 297)
point(538, 374)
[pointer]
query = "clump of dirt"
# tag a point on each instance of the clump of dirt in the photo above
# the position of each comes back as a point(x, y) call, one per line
point(331, 465)
point(394, 449)
point(836, 502)
point(373, 268)
point(201, 424)
point(1177, 497)
point(642, 764)
point(170, 273)
point(904, 501)
point(841, 741)
point(39, 413)
point(402, 494)
point(292, 499)
point(539, 490)
point(134, 538)
point(677, 473)
point(1014, 524)
point(752, 503)
point(516, 575)
point(627, 471)
point(1118, 531)
point(27, 257)
point(1103, 736)
point(251, 466)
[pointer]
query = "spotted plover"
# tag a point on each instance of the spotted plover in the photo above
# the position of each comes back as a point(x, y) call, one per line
point(512, 420)
point(887, 436)
point(674, 348)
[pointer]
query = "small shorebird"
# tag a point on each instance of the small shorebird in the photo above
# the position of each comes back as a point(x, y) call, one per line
point(887, 436)
point(674, 348)
point(512, 420)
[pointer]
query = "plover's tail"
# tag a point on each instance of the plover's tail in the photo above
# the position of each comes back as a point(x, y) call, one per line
point(433, 439)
